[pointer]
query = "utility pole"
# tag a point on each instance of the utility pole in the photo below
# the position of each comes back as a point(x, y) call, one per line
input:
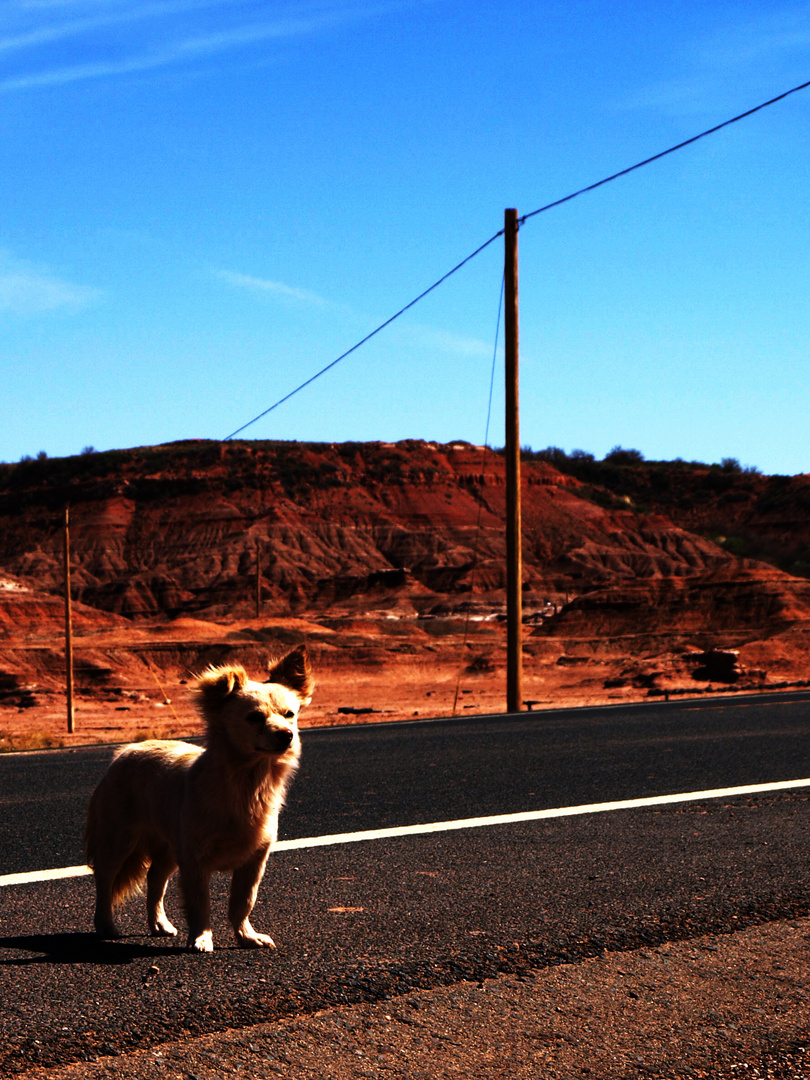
point(68, 628)
point(514, 554)
point(258, 578)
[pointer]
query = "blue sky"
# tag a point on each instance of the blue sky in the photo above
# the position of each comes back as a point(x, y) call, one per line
point(203, 202)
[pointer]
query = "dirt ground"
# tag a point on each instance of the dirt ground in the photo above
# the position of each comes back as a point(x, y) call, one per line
point(397, 691)
point(134, 684)
point(732, 1006)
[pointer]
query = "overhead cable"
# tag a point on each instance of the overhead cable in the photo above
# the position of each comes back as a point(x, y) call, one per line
point(368, 337)
point(521, 221)
point(663, 153)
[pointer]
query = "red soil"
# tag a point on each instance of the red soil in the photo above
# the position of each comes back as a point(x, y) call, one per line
point(375, 555)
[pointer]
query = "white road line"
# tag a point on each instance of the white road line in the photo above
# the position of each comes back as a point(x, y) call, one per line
point(464, 823)
point(44, 875)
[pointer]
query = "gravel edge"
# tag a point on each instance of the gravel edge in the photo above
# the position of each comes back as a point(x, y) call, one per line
point(715, 1006)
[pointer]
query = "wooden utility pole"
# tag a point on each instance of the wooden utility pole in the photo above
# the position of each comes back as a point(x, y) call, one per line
point(514, 554)
point(68, 628)
point(258, 578)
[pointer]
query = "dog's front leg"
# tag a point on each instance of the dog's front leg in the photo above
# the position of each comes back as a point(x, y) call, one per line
point(162, 868)
point(194, 883)
point(244, 887)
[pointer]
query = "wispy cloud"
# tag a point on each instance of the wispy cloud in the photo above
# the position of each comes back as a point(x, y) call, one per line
point(771, 36)
point(275, 288)
point(433, 340)
point(29, 290)
point(88, 16)
point(407, 335)
point(42, 35)
point(759, 52)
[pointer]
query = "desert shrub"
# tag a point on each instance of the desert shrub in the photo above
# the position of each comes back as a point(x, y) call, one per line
point(620, 456)
point(480, 665)
point(32, 740)
point(735, 545)
point(144, 734)
point(385, 466)
point(441, 627)
point(298, 475)
point(600, 497)
point(349, 450)
point(553, 455)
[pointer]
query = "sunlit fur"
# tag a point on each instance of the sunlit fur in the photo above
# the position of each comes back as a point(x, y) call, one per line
point(164, 805)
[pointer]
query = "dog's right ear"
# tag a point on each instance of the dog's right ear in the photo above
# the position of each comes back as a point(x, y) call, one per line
point(294, 672)
point(217, 683)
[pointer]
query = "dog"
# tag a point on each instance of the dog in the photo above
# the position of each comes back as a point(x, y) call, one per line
point(164, 806)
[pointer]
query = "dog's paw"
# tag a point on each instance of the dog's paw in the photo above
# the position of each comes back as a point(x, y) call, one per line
point(248, 938)
point(204, 942)
point(108, 931)
point(254, 940)
point(163, 929)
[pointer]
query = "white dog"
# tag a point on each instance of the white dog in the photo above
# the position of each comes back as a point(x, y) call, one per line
point(165, 805)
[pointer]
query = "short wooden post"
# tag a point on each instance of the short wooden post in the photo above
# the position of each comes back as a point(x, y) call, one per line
point(68, 628)
point(514, 555)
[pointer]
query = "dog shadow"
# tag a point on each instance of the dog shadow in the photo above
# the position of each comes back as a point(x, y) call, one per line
point(77, 948)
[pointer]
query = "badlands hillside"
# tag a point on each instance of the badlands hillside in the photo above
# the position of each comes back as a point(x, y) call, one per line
point(389, 560)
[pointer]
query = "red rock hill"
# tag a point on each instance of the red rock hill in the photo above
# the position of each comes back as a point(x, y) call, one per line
point(165, 540)
point(176, 529)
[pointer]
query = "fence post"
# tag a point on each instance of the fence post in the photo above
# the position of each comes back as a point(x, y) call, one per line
point(514, 555)
point(68, 628)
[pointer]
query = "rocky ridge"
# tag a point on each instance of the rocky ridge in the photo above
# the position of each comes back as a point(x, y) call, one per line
point(388, 559)
point(178, 529)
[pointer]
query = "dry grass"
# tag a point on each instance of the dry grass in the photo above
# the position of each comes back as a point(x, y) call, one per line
point(29, 740)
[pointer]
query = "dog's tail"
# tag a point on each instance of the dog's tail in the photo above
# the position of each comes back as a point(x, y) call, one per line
point(129, 876)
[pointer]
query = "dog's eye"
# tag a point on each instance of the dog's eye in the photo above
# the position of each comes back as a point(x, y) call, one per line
point(256, 717)
point(289, 714)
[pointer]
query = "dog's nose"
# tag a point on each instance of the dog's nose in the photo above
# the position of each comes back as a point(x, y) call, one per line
point(284, 739)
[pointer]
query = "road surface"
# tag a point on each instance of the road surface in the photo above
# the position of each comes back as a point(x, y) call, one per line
point(360, 921)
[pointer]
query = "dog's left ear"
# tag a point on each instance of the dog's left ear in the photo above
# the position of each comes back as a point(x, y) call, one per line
point(218, 682)
point(294, 672)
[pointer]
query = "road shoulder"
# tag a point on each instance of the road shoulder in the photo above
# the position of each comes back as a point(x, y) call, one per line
point(716, 1006)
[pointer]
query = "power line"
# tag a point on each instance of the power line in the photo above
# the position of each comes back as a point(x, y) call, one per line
point(663, 153)
point(494, 357)
point(368, 337)
point(521, 221)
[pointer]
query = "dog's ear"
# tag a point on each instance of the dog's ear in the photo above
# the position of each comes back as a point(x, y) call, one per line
point(294, 672)
point(217, 683)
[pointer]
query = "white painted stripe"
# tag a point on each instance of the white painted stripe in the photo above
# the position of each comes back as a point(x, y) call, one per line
point(535, 815)
point(44, 875)
point(463, 823)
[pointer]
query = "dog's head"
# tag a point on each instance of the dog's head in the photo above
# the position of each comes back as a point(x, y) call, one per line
point(257, 719)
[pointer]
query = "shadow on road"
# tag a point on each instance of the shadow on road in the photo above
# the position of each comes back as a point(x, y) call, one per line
point(77, 948)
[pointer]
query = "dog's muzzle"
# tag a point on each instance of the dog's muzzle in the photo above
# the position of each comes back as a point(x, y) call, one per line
point(281, 741)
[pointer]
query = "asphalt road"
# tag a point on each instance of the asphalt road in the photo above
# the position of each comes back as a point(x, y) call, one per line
point(362, 921)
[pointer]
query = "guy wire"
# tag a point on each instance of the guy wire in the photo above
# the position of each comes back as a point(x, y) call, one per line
point(481, 501)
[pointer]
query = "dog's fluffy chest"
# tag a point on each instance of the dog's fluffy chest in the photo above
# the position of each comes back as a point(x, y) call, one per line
point(234, 826)
point(235, 843)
